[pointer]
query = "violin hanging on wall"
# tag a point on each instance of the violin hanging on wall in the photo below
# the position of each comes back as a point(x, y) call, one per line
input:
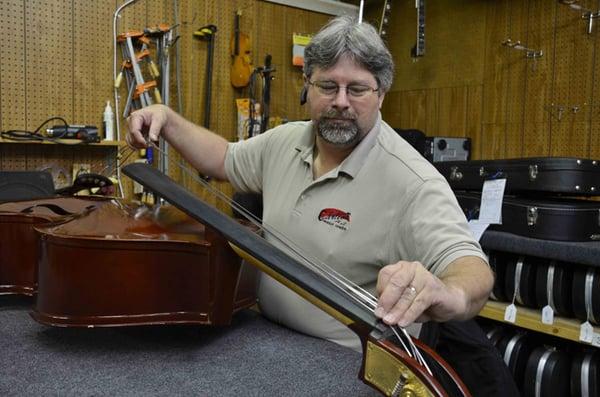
point(241, 51)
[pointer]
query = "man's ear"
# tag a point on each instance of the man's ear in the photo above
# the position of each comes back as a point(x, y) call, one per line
point(304, 92)
point(303, 95)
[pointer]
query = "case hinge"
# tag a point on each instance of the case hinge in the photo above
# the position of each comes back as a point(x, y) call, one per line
point(532, 214)
point(533, 172)
point(455, 174)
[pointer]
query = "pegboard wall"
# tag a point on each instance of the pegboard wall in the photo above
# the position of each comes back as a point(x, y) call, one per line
point(469, 84)
point(57, 60)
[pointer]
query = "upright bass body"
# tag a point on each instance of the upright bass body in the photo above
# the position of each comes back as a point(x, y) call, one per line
point(125, 264)
point(19, 246)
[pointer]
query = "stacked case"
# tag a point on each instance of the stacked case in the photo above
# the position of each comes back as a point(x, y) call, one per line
point(545, 253)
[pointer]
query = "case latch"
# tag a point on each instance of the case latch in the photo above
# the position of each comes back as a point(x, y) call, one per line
point(532, 214)
point(533, 172)
point(455, 174)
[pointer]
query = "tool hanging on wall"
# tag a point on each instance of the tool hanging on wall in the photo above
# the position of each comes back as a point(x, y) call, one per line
point(137, 64)
point(147, 81)
point(138, 87)
point(241, 51)
point(258, 112)
point(266, 72)
point(207, 33)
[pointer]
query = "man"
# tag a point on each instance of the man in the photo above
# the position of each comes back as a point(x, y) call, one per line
point(346, 189)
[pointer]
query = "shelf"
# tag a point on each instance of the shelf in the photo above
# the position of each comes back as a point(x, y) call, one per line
point(69, 142)
point(532, 319)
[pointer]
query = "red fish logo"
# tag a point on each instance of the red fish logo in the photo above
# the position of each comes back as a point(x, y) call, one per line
point(335, 217)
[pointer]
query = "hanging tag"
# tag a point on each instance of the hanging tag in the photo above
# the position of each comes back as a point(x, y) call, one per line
point(510, 314)
point(586, 332)
point(596, 339)
point(492, 194)
point(548, 315)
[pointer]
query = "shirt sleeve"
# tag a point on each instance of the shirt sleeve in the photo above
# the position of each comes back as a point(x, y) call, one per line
point(244, 163)
point(434, 229)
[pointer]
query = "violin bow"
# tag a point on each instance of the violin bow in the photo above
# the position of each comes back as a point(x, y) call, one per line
point(390, 369)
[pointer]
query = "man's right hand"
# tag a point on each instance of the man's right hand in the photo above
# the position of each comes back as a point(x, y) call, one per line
point(147, 125)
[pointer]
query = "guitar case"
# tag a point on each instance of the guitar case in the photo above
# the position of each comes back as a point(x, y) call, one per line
point(495, 334)
point(554, 280)
point(534, 174)
point(546, 373)
point(586, 294)
point(521, 272)
point(498, 262)
point(516, 349)
point(585, 374)
point(546, 219)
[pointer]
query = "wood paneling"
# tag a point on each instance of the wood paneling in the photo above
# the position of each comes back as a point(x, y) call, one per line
point(57, 61)
point(509, 105)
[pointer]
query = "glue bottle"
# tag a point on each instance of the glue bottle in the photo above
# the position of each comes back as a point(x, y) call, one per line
point(109, 122)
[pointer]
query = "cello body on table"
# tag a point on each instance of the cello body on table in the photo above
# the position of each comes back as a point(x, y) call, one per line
point(127, 264)
point(19, 242)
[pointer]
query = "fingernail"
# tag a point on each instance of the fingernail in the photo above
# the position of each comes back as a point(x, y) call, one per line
point(388, 318)
point(379, 312)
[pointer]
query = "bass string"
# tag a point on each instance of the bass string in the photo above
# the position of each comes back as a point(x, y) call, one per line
point(360, 295)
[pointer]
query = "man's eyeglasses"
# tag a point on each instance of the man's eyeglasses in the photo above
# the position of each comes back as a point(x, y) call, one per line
point(330, 89)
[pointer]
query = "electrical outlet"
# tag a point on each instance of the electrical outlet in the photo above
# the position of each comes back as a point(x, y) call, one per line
point(81, 169)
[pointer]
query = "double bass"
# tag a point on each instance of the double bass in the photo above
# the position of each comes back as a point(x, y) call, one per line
point(410, 370)
point(19, 243)
point(125, 264)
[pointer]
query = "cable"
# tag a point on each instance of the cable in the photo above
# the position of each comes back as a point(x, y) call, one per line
point(23, 135)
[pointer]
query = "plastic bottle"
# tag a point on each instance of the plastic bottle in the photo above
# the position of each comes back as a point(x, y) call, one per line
point(109, 123)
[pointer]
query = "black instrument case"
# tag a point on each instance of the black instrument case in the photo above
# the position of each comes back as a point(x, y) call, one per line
point(547, 219)
point(534, 174)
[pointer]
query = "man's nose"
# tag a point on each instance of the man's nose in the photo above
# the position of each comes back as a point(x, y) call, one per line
point(341, 99)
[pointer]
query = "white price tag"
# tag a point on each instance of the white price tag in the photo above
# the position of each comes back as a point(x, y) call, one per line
point(477, 228)
point(510, 314)
point(586, 332)
point(548, 315)
point(492, 193)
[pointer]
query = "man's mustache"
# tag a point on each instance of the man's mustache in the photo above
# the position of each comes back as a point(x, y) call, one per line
point(336, 114)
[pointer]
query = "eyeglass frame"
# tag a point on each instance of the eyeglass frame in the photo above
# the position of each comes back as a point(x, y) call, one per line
point(338, 87)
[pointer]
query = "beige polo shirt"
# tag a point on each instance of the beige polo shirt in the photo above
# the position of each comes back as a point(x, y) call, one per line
point(383, 204)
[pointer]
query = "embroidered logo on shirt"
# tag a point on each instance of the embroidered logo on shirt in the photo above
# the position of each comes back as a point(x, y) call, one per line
point(335, 217)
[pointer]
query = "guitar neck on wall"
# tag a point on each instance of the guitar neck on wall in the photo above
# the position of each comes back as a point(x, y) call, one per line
point(385, 19)
point(419, 49)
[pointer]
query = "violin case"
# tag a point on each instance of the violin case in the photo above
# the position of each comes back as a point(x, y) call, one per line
point(516, 349)
point(498, 261)
point(547, 373)
point(554, 286)
point(19, 243)
point(546, 219)
point(585, 374)
point(128, 264)
point(586, 294)
point(521, 273)
point(535, 174)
